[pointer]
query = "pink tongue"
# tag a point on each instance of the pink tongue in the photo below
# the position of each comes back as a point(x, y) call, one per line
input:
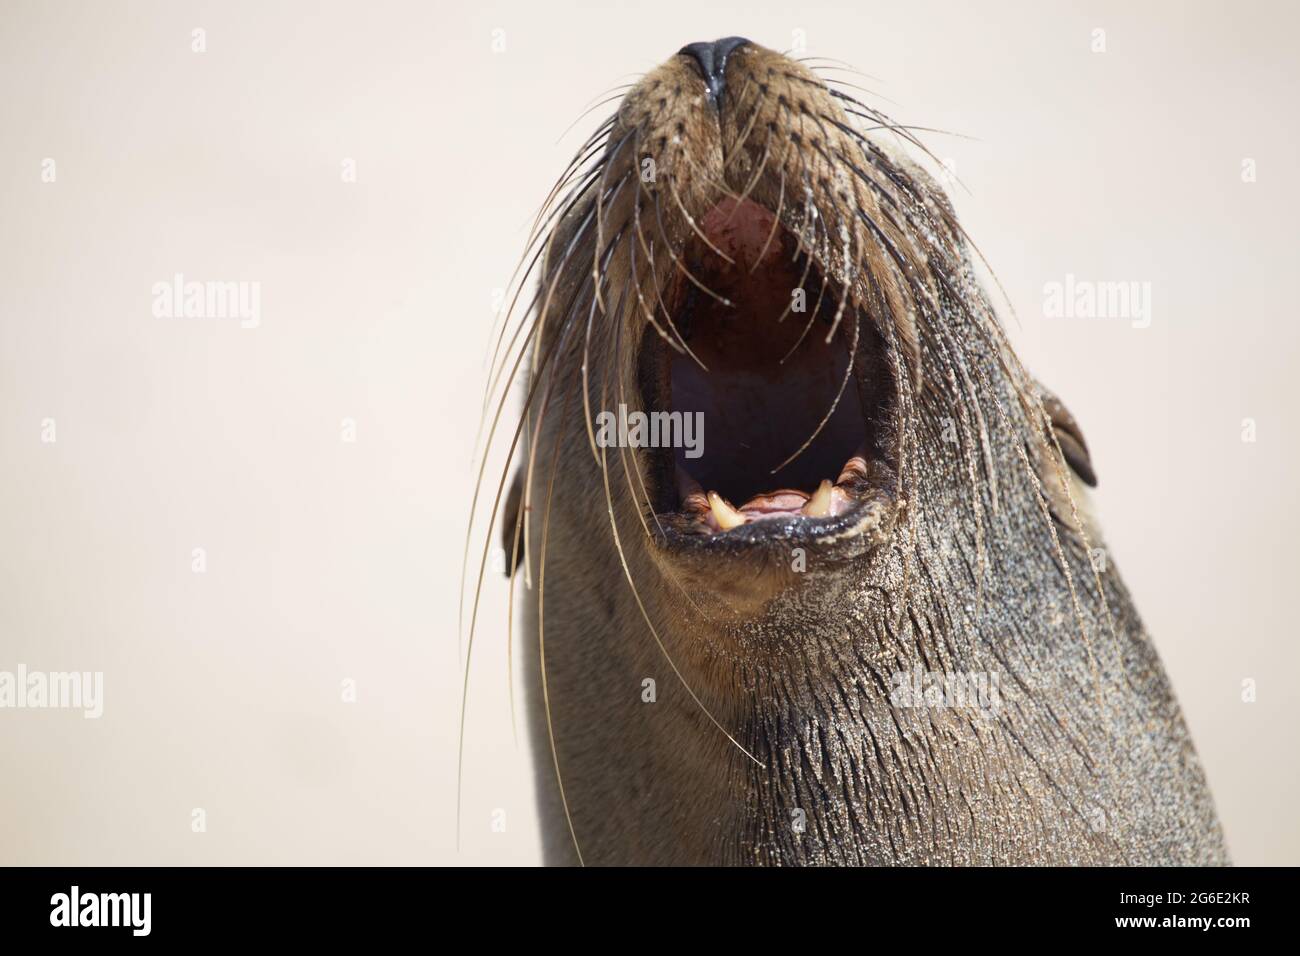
point(777, 503)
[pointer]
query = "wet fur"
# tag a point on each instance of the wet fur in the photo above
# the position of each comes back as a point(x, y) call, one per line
point(773, 687)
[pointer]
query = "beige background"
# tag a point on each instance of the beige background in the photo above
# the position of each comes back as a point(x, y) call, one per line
point(332, 561)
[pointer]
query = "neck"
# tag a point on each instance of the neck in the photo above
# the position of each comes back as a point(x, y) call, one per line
point(901, 714)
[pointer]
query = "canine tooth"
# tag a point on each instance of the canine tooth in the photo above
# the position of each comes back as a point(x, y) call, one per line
point(819, 505)
point(726, 516)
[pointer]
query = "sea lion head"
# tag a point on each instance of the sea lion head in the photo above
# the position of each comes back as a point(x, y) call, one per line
point(776, 449)
point(752, 322)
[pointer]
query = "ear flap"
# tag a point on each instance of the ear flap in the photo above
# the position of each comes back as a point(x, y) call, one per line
point(509, 519)
point(1070, 435)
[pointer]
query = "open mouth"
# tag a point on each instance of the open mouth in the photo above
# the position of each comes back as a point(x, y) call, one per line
point(789, 384)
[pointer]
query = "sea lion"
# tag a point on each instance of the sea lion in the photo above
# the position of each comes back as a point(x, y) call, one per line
point(871, 621)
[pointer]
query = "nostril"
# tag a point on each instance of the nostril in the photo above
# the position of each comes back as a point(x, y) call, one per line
point(711, 58)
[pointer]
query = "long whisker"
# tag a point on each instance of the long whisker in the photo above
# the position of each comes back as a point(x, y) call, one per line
point(681, 266)
point(541, 641)
point(534, 332)
point(628, 472)
point(595, 106)
point(539, 256)
point(837, 64)
point(848, 375)
point(627, 573)
point(690, 221)
point(776, 224)
point(812, 315)
point(591, 314)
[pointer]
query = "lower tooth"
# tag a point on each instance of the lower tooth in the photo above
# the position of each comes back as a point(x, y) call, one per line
point(819, 505)
point(726, 516)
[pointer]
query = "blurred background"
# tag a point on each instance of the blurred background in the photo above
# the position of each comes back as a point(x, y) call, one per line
point(255, 530)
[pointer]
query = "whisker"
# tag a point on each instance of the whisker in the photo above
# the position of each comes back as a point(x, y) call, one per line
point(848, 375)
point(595, 106)
point(681, 266)
point(541, 644)
point(627, 573)
point(776, 224)
point(690, 221)
point(598, 279)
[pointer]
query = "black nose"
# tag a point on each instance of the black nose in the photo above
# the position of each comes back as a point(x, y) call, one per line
point(712, 61)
